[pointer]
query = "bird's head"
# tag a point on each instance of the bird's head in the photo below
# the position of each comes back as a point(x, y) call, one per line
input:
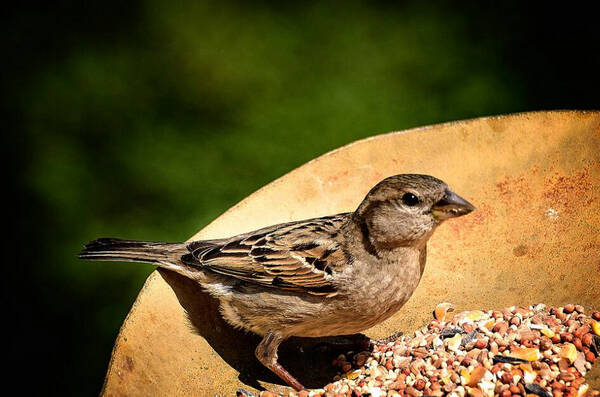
point(404, 210)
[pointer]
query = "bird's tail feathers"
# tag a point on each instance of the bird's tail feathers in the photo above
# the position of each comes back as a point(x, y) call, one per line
point(165, 255)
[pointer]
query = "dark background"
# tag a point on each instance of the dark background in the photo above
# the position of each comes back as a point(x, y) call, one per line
point(148, 119)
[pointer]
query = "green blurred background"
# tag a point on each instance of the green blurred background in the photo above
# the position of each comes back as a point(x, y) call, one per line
point(149, 119)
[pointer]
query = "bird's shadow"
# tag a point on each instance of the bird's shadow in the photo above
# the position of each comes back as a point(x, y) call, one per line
point(310, 365)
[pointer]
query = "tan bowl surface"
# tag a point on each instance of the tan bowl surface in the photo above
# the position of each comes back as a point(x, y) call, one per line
point(535, 237)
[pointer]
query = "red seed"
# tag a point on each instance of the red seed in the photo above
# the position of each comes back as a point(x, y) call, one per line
point(579, 332)
point(588, 339)
point(567, 377)
point(566, 337)
point(569, 308)
point(497, 326)
point(558, 385)
point(527, 335)
point(577, 382)
point(563, 364)
point(556, 338)
point(420, 384)
point(503, 328)
point(561, 316)
point(545, 343)
point(577, 343)
point(590, 357)
point(507, 378)
point(596, 316)
point(584, 329)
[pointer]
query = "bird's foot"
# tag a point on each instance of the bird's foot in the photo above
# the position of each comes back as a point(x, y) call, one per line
point(357, 342)
point(344, 344)
point(386, 340)
point(245, 393)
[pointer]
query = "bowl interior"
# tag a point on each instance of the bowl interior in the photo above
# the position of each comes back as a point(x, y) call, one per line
point(534, 178)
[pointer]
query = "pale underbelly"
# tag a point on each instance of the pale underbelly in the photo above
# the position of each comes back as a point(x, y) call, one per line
point(350, 312)
point(360, 313)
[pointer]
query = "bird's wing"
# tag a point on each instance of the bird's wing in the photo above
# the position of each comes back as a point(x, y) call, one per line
point(295, 256)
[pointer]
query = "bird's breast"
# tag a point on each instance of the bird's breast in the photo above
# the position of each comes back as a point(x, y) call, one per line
point(380, 289)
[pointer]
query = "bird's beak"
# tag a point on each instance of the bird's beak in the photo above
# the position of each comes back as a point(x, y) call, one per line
point(451, 206)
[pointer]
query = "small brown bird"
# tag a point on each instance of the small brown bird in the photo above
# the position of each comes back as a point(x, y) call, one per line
point(312, 277)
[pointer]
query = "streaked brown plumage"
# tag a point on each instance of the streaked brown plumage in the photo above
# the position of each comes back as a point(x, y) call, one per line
point(312, 277)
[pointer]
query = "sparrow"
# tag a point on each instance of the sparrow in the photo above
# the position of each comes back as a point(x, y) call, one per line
point(333, 275)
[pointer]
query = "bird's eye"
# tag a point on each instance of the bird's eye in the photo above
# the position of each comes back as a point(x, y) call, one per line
point(410, 199)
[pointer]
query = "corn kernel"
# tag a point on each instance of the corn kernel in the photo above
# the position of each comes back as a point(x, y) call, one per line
point(454, 342)
point(526, 367)
point(352, 375)
point(464, 376)
point(548, 332)
point(596, 327)
point(528, 373)
point(525, 353)
point(476, 376)
point(475, 315)
point(444, 312)
point(569, 351)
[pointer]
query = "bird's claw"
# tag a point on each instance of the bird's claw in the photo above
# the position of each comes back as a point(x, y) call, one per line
point(245, 393)
point(340, 344)
point(386, 340)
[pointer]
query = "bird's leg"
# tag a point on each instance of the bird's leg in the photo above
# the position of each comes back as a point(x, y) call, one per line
point(266, 353)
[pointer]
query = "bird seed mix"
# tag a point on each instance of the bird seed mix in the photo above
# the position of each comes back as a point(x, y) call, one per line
point(535, 351)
